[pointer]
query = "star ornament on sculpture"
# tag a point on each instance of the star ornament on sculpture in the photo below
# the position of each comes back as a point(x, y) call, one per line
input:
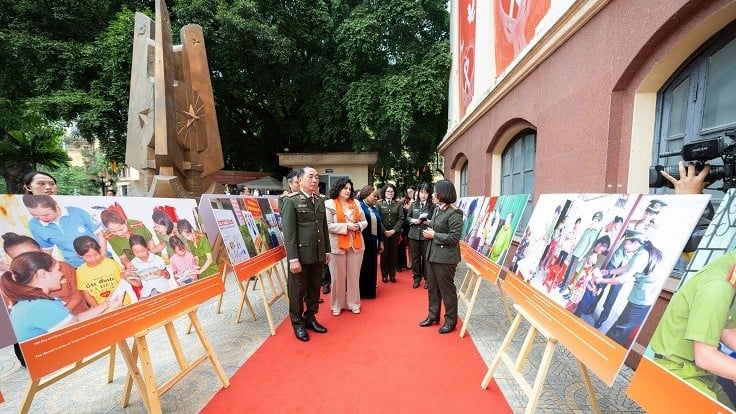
point(190, 131)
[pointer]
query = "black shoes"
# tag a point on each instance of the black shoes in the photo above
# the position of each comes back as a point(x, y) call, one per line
point(326, 289)
point(392, 278)
point(316, 327)
point(598, 323)
point(301, 334)
point(415, 285)
point(447, 328)
point(429, 322)
point(384, 279)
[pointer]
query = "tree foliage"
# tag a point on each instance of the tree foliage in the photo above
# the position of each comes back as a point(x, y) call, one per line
point(307, 75)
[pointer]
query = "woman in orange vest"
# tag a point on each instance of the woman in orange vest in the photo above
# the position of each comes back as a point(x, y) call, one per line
point(345, 222)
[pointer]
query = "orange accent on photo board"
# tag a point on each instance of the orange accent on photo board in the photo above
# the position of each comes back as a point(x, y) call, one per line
point(251, 203)
point(2, 399)
point(487, 268)
point(52, 351)
point(600, 354)
point(466, 53)
point(516, 22)
point(259, 263)
point(656, 390)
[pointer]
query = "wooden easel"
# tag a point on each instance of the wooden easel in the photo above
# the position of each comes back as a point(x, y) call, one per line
point(144, 378)
point(273, 288)
point(41, 383)
point(468, 292)
point(515, 367)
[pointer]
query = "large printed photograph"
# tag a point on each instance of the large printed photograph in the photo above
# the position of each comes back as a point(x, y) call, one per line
point(695, 340)
point(248, 226)
point(491, 222)
point(605, 257)
point(69, 259)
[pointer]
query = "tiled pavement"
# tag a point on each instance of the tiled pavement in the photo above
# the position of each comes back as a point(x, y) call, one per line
point(86, 391)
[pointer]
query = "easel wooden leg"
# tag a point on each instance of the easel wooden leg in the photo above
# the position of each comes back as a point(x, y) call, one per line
point(244, 301)
point(464, 283)
point(33, 388)
point(476, 287)
point(151, 389)
point(134, 375)
point(282, 277)
point(501, 351)
point(176, 345)
point(267, 304)
point(589, 387)
point(209, 350)
point(503, 301)
point(536, 390)
point(111, 364)
point(224, 270)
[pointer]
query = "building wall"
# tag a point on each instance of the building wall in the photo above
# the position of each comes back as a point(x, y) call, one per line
point(591, 102)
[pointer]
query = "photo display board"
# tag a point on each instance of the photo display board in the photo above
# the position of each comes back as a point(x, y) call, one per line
point(122, 265)
point(590, 266)
point(249, 226)
point(701, 310)
point(491, 222)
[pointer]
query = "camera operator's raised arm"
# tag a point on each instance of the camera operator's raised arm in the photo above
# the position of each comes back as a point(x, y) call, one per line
point(690, 181)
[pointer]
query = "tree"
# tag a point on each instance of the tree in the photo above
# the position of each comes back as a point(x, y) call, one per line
point(24, 151)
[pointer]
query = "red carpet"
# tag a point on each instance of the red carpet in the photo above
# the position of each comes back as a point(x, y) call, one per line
point(372, 362)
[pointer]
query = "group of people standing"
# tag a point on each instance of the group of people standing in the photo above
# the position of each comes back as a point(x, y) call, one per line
point(348, 230)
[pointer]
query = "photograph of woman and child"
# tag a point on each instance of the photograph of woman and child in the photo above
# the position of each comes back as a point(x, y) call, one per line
point(68, 259)
point(606, 257)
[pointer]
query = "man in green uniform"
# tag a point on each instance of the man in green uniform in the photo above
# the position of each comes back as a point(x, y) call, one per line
point(700, 315)
point(307, 251)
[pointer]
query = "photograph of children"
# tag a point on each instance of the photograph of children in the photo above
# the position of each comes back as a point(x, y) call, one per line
point(69, 259)
point(470, 207)
point(476, 236)
point(510, 209)
point(696, 336)
point(601, 257)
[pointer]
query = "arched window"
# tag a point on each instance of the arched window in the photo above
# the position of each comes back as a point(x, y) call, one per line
point(463, 181)
point(517, 170)
point(698, 102)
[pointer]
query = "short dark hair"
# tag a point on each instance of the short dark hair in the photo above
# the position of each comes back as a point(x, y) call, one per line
point(386, 187)
point(426, 187)
point(445, 192)
point(339, 185)
point(366, 191)
point(300, 172)
point(28, 179)
point(290, 176)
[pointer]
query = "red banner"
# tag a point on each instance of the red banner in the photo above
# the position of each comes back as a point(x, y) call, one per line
point(516, 22)
point(466, 53)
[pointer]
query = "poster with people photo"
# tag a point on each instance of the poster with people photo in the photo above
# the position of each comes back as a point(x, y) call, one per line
point(605, 257)
point(695, 339)
point(71, 259)
point(494, 224)
point(249, 226)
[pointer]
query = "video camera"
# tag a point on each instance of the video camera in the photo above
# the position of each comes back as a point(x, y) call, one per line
point(700, 152)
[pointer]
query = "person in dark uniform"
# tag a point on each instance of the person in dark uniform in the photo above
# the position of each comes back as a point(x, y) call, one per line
point(392, 218)
point(292, 180)
point(373, 237)
point(443, 255)
point(419, 213)
point(307, 251)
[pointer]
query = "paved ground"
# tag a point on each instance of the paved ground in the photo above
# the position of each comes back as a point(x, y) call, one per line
point(87, 392)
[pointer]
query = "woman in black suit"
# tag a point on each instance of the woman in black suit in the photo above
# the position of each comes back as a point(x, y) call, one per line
point(419, 214)
point(373, 237)
point(443, 255)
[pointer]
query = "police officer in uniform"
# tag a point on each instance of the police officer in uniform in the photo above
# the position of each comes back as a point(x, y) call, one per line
point(392, 218)
point(307, 251)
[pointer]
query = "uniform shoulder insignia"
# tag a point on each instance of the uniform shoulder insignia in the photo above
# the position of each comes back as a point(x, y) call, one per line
point(136, 224)
point(321, 195)
point(291, 194)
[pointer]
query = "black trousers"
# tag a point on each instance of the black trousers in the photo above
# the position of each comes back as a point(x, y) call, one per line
point(304, 288)
point(418, 249)
point(441, 288)
point(389, 255)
